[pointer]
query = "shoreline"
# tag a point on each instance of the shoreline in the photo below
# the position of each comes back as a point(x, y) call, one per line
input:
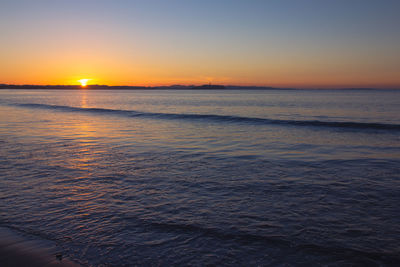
point(17, 249)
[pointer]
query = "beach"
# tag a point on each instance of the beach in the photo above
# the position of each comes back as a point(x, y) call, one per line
point(17, 250)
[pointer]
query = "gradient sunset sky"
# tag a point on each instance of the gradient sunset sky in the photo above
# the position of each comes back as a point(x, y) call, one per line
point(299, 43)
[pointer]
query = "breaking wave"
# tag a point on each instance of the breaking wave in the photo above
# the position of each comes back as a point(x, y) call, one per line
point(220, 118)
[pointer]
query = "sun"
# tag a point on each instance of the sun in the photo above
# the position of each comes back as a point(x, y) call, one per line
point(83, 82)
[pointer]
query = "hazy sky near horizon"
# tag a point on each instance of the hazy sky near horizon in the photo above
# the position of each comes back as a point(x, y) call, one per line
point(308, 43)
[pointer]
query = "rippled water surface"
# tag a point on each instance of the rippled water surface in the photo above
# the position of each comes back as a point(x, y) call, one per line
point(205, 177)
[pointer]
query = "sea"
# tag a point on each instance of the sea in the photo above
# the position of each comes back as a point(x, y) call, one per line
point(204, 177)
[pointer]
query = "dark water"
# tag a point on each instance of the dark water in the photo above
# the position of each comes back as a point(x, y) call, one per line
point(205, 177)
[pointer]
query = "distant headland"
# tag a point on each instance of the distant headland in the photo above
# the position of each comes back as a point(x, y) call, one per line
point(125, 87)
point(171, 87)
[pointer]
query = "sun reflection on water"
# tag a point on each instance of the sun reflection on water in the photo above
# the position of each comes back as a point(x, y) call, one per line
point(84, 99)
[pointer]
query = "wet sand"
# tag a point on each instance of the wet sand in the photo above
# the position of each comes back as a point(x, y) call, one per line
point(17, 250)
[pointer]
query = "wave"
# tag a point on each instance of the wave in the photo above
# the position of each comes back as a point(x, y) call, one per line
point(242, 237)
point(221, 118)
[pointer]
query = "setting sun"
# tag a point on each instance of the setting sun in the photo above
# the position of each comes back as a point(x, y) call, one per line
point(83, 82)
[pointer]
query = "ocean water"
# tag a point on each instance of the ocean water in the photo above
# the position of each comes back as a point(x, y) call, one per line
point(241, 177)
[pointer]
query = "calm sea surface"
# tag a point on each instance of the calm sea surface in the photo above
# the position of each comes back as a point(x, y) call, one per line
point(299, 177)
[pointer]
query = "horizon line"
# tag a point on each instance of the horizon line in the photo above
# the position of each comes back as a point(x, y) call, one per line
point(191, 86)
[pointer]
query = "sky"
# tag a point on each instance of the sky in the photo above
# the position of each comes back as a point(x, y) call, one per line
point(282, 43)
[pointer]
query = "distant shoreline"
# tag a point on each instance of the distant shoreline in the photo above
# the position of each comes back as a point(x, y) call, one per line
point(171, 87)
